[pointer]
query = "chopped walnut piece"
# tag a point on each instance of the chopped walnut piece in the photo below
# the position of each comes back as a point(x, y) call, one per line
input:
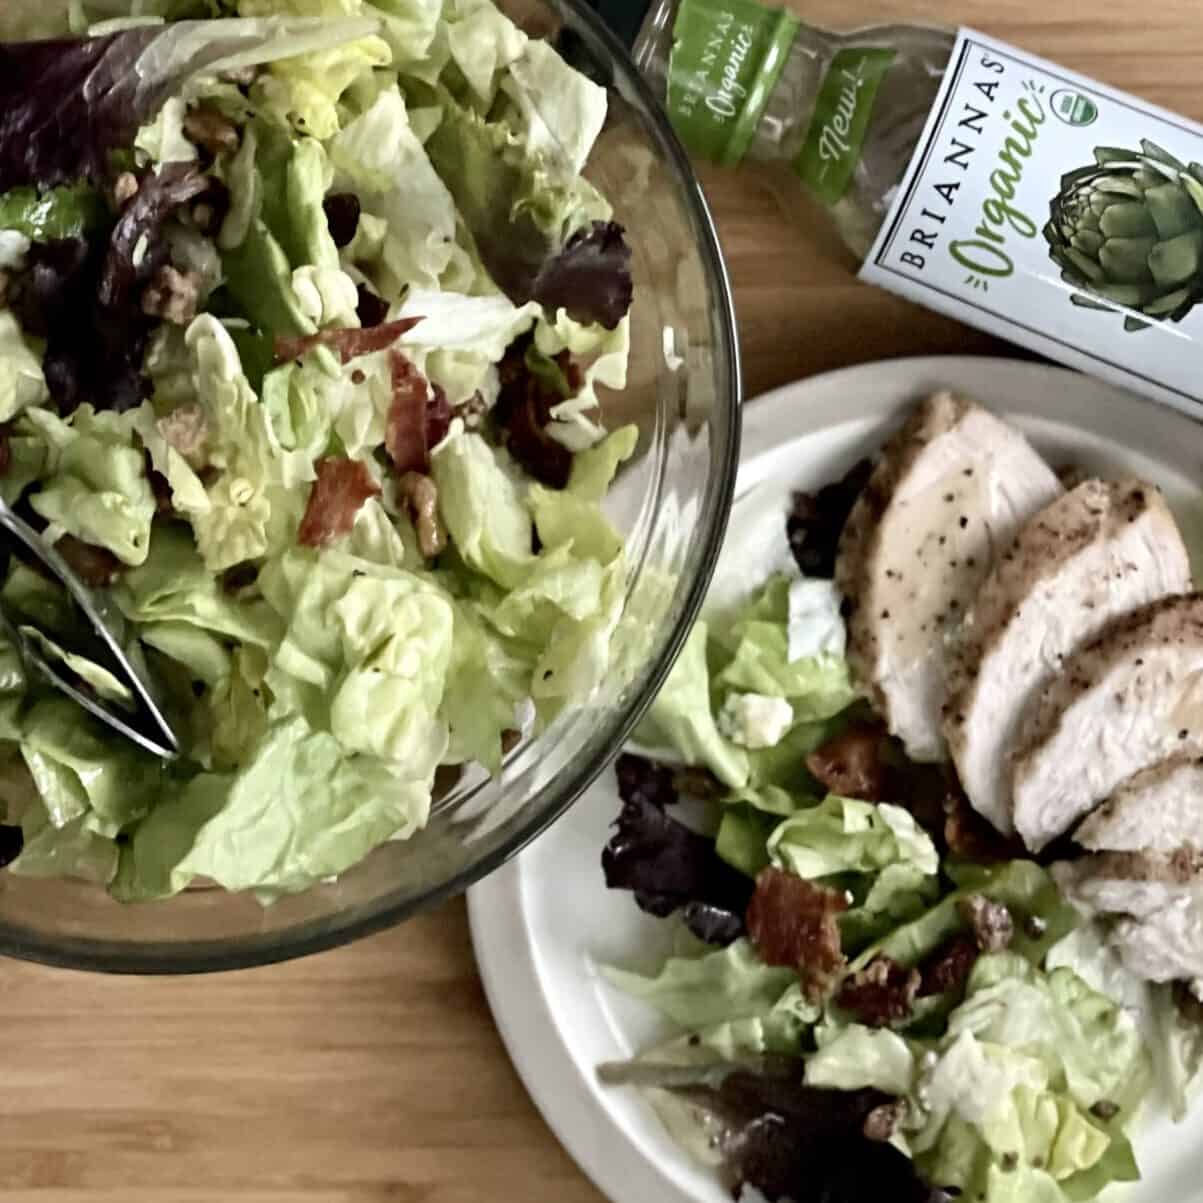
point(880, 995)
point(421, 497)
point(990, 921)
point(948, 968)
point(172, 295)
point(210, 129)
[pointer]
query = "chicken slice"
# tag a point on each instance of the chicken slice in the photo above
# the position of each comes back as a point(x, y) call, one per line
point(1096, 553)
point(1125, 702)
point(1159, 810)
point(1167, 945)
point(949, 492)
point(1154, 902)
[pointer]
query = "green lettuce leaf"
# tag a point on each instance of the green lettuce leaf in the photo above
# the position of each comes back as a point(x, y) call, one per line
point(98, 489)
point(21, 381)
point(1091, 1047)
point(480, 500)
point(82, 773)
point(817, 687)
point(298, 812)
point(855, 1057)
point(174, 586)
point(700, 992)
point(381, 159)
point(1027, 890)
point(843, 835)
point(681, 717)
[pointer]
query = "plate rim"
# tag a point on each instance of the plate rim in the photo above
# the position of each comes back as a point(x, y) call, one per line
point(500, 936)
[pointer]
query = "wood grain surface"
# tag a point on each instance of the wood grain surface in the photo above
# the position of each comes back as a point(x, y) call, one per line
point(373, 1074)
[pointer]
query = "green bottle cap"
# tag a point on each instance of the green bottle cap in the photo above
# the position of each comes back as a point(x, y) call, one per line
point(727, 57)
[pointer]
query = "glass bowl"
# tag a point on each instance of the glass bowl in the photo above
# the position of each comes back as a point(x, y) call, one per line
point(671, 501)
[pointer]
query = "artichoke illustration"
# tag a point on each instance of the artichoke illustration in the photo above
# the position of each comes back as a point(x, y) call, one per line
point(1128, 231)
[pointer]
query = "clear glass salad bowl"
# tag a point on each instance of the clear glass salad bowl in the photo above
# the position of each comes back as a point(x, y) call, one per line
point(671, 502)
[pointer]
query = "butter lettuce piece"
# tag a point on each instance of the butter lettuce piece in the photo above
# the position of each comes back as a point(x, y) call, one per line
point(259, 278)
point(486, 682)
point(380, 158)
point(856, 1057)
point(365, 654)
point(21, 381)
point(681, 717)
point(1090, 1045)
point(483, 42)
point(296, 401)
point(299, 812)
point(304, 91)
point(557, 111)
point(174, 586)
point(104, 682)
point(1022, 885)
point(843, 835)
point(593, 470)
point(381, 538)
point(480, 500)
point(396, 642)
point(162, 139)
point(98, 491)
point(81, 772)
point(238, 708)
point(73, 850)
point(698, 992)
point(204, 655)
point(817, 687)
point(257, 500)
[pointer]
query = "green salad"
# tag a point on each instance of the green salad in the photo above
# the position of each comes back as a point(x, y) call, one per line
point(873, 994)
point(305, 309)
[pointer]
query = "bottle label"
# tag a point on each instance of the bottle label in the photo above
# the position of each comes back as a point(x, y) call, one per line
point(726, 59)
point(1058, 213)
point(841, 116)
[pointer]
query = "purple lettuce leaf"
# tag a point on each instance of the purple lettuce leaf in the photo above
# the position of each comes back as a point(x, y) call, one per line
point(667, 866)
point(590, 277)
point(67, 103)
point(788, 1140)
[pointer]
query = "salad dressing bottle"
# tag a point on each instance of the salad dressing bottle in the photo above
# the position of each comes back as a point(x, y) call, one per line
point(967, 175)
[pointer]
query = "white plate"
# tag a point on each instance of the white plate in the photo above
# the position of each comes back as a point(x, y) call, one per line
point(543, 924)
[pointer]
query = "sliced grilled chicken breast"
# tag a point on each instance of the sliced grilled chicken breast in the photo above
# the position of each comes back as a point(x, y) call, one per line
point(1167, 945)
point(1156, 900)
point(1094, 554)
point(1125, 702)
point(1130, 883)
point(1160, 810)
point(950, 491)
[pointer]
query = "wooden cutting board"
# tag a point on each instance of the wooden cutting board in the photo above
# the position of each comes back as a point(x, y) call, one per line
point(373, 1074)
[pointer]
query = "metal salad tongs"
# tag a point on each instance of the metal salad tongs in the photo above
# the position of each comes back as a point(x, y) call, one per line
point(143, 720)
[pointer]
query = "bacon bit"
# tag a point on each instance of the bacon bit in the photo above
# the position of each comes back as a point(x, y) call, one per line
point(948, 968)
point(6, 452)
point(406, 436)
point(851, 764)
point(342, 486)
point(792, 922)
point(96, 566)
point(348, 343)
point(880, 995)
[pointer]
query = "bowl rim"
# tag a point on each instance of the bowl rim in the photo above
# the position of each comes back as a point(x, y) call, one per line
point(319, 935)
